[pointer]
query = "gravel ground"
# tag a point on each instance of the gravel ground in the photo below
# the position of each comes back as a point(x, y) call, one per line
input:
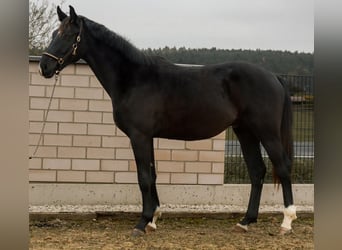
point(164, 208)
point(193, 227)
point(195, 232)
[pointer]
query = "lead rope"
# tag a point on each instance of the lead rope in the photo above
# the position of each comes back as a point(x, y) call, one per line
point(45, 116)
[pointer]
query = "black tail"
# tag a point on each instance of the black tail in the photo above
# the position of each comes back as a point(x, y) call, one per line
point(286, 126)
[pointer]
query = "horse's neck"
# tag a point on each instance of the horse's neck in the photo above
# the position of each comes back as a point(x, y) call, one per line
point(105, 66)
point(114, 66)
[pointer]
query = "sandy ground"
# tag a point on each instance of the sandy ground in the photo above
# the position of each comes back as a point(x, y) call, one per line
point(176, 230)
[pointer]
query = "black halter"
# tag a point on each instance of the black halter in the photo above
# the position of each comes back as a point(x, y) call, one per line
point(72, 51)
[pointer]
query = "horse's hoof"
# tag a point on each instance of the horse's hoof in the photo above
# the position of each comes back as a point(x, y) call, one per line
point(137, 233)
point(285, 231)
point(238, 228)
point(150, 227)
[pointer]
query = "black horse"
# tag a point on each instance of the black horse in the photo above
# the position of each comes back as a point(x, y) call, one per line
point(152, 97)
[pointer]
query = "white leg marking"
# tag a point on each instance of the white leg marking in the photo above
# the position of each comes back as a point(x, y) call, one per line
point(157, 214)
point(40, 69)
point(289, 216)
point(244, 227)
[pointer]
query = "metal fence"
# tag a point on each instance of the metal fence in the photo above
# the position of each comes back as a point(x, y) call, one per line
point(301, 88)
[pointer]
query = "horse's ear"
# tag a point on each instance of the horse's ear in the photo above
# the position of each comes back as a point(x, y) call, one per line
point(73, 15)
point(61, 14)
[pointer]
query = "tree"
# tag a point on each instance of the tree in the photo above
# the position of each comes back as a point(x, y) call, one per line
point(42, 21)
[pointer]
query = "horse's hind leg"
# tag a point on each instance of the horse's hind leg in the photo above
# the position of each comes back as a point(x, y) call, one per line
point(250, 146)
point(282, 167)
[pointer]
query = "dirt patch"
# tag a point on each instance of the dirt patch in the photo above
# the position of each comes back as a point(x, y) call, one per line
point(198, 231)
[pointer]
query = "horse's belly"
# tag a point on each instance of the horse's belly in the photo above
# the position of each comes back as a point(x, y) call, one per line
point(196, 127)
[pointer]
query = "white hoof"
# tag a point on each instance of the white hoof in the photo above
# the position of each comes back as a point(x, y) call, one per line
point(157, 214)
point(151, 226)
point(289, 216)
point(240, 228)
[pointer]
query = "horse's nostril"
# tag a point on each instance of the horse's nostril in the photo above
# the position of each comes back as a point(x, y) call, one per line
point(41, 69)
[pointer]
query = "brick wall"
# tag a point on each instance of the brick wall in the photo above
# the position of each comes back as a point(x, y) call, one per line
point(81, 144)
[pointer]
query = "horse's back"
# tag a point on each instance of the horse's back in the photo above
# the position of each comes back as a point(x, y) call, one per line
point(199, 102)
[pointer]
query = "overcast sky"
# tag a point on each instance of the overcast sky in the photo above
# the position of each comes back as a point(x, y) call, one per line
point(228, 24)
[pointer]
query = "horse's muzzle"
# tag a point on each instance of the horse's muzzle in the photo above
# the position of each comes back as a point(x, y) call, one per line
point(45, 72)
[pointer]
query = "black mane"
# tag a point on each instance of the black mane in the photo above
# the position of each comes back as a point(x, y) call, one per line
point(117, 42)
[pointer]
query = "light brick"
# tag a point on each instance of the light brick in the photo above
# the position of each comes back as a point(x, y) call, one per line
point(33, 67)
point(184, 155)
point(199, 145)
point(72, 128)
point(212, 156)
point(33, 139)
point(119, 132)
point(132, 166)
point(163, 178)
point(36, 115)
point(70, 69)
point(71, 176)
point(114, 165)
point(171, 144)
point(85, 164)
point(162, 154)
point(36, 127)
point(182, 178)
point(71, 152)
point(115, 142)
point(75, 81)
point(56, 164)
point(42, 176)
point(219, 144)
point(87, 141)
point(44, 151)
point(35, 163)
point(94, 82)
point(104, 106)
point(36, 91)
point(57, 140)
point(73, 104)
point(105, 95)
point(107, 118)
point(170, 166)
point(101, 129)
point(198, 167)
point(124, 154)
point(126, 177)
point(216, 179)
point(89, 93)
point(155, 142)
point(83, 69)
point(100, 153)
point(59, 116)
point(88, 117)
point(61, 92)
point(43, 103)
point(100, 177)
point(37, 79)
point(218, 167)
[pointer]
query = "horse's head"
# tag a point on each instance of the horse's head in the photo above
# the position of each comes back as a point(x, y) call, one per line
point(64, 48)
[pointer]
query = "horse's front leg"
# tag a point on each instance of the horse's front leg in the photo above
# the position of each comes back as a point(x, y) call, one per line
point(151, 226)
point(142, 153)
